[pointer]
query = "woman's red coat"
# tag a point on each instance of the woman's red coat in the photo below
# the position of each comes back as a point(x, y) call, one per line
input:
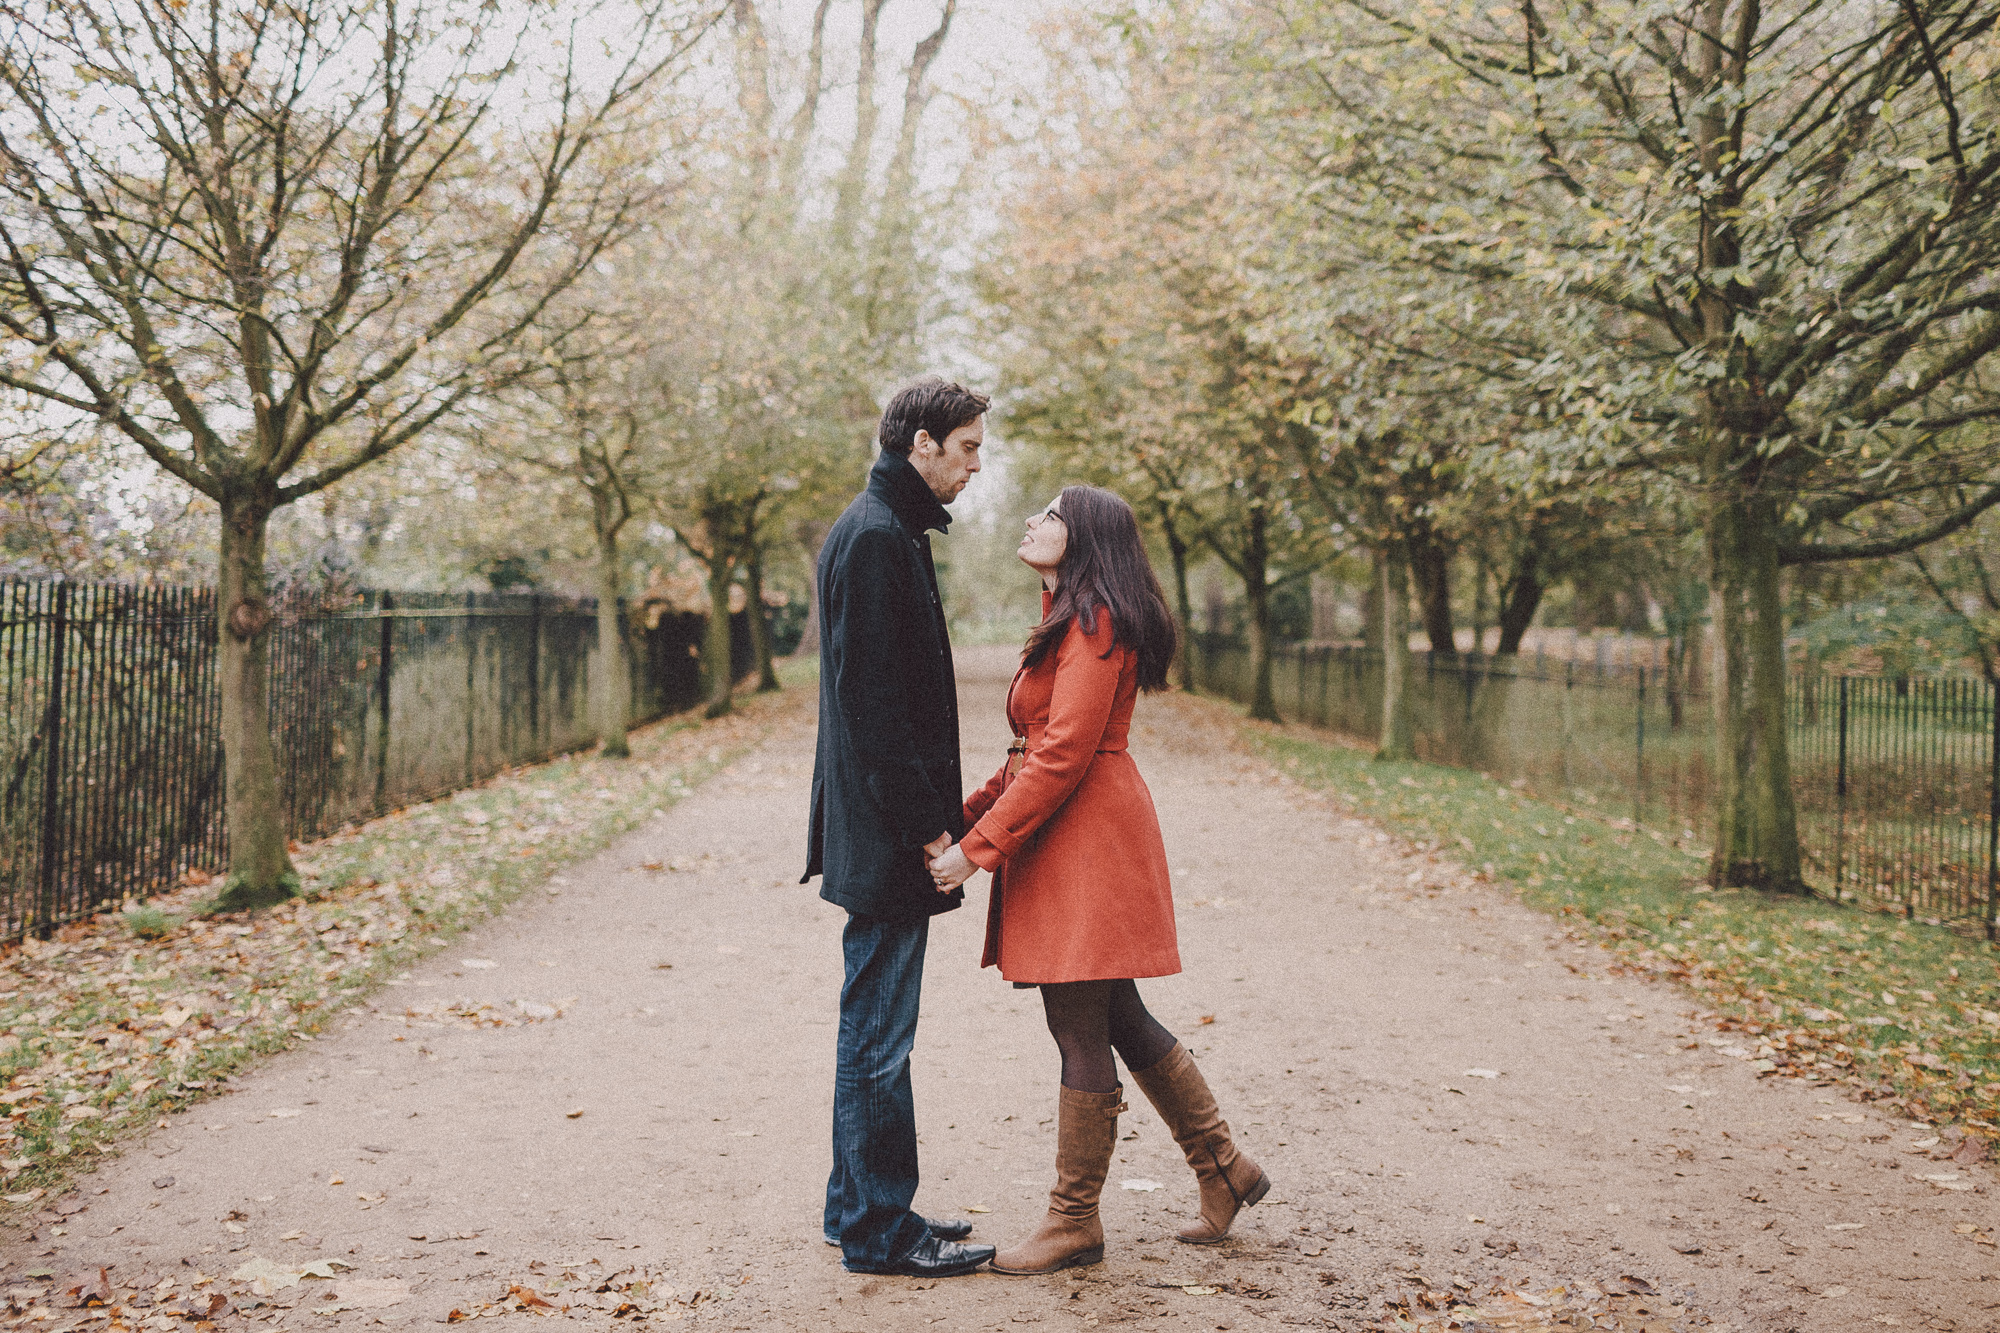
point(1080, 890)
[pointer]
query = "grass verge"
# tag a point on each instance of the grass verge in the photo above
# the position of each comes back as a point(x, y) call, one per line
point(123, 1018)
point(1905, 1011)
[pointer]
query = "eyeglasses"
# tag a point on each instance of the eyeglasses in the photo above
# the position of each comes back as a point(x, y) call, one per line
point(1050, 512)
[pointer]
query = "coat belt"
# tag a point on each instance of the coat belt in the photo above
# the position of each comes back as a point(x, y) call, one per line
point(1114, 739)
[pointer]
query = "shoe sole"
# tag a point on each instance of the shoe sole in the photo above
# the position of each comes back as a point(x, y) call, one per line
point(929, 1273)
point(1081, 1259)
point(1250, 1200)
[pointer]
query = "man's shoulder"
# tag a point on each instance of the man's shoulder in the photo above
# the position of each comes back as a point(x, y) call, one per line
point(868, 522)
point(866, 512)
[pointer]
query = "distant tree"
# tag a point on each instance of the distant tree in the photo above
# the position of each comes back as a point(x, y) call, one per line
point(272, 242)
point(1746, 245)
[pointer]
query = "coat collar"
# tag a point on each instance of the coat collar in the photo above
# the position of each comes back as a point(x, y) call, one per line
point(905, 491)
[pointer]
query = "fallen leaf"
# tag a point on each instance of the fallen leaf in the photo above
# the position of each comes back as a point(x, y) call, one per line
point(527, 1297)
point(1200, 1291)
point(370, 1293)
point(1207, 1019)
point(571, 1115)
point(1852, 1226)
point(97, 1291)
point(977, 1208)
point(323, 1267)
point(1141, 1184)
point(1482, 1073)
point(264, 1276)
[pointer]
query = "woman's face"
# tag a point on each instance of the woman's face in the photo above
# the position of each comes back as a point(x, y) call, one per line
point(1047, 538)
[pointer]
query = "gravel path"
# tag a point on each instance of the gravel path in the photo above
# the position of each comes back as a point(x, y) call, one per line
point(1444, 1088)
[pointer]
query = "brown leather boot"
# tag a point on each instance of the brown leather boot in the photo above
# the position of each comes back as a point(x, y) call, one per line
point(1072, 1234)
point(1229, 1181)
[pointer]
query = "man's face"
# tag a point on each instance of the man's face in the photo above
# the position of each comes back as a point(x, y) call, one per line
point(949, 465)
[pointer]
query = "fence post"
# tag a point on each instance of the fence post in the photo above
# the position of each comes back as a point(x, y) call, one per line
point(471, 681)
point(384, 609)
point(1639, 793)
point(1993, 814)
point(1840, 799)
point(1299, 664)
point(534, 677)
point(1569, 683)
point(52, 770)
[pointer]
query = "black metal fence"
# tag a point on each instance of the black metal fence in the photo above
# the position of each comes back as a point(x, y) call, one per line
point(1897, 780)
point(111, 776)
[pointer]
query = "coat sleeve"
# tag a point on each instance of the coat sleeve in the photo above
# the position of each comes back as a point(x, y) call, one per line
point(982, 800)
point(876, 594)
point(1086, 687)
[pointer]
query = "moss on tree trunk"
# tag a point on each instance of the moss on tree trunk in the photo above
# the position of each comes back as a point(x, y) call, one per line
point(715, 649)
point(760, 621)
point(613, 704)
point(1257, 599)
point(260, 868)
point(1397, 742)
point(1757, 835)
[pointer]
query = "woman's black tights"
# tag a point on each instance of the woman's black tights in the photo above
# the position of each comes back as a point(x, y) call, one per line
point(1089, 1018)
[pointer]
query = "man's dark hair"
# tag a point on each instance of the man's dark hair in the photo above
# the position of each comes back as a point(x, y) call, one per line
point(929, 404)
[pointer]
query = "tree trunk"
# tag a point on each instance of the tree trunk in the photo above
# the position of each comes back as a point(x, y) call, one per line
point(1371, 602)
point(1519, 603)
point(715, 652)
point(613, 703)
point(260, 869)
point(812, 535)
point(1177, 551)
point(1257, 599)
point(1430, 561)
point(760, 620)
point(1480, 604)
point(1397, 742)
point(1757, 837)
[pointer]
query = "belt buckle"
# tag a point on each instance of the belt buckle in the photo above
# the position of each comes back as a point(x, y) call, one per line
point(1017, 755)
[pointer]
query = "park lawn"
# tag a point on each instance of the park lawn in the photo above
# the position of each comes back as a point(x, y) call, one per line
point(103, 1031)
point(1907, 1011)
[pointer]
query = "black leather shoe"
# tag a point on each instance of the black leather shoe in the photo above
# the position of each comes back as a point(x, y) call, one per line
point(944, 1228)
point(933, 1257)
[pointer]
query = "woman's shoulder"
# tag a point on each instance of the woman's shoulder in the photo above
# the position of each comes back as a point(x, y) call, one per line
point(1097, 634)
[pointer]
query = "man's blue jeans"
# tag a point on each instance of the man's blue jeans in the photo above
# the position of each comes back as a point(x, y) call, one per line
point(874, 1176)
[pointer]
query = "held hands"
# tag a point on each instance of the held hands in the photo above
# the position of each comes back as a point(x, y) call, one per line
point(949, 865)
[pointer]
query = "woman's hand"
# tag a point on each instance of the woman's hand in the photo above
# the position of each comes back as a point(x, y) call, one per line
point(951, 868)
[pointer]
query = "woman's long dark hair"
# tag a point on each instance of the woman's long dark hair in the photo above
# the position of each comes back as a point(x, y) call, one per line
point(1104, 568)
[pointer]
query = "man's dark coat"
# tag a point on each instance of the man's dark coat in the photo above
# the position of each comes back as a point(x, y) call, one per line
point(886, 780)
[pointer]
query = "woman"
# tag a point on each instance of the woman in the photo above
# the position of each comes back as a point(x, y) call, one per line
point(1080, 903)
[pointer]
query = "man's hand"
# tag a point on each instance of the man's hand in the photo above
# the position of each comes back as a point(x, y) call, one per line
point(951, 869)
point(935, 847)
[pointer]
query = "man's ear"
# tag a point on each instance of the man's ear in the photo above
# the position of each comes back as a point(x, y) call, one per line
point(923, 438)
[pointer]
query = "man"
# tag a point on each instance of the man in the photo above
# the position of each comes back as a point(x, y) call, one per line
point(887, 797)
